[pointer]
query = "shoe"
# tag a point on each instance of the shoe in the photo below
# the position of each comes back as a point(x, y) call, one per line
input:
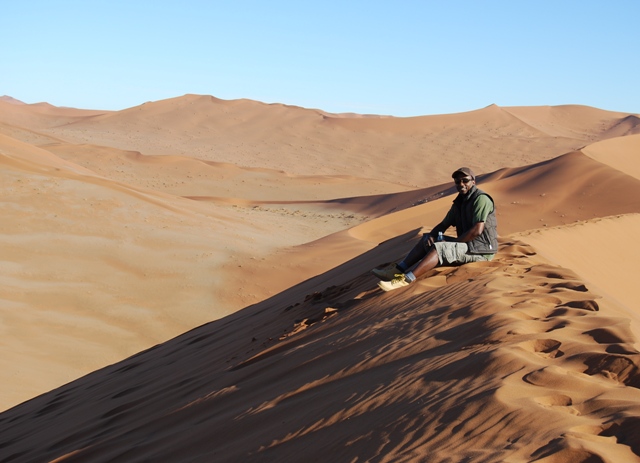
point(397, 282)
point(387, 273)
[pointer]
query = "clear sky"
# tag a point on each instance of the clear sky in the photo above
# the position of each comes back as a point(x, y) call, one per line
point(403, 58)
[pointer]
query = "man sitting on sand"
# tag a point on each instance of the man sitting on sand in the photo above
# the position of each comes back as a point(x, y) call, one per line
point(473, 214)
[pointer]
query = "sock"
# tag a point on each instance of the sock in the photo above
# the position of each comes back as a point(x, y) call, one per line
point(410, 277)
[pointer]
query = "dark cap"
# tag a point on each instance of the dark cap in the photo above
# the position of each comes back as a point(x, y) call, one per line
point(464, 171)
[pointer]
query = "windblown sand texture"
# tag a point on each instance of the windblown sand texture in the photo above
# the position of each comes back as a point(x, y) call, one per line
point(188, 280)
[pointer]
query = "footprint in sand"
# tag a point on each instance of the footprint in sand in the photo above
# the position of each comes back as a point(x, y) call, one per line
point(518, 270)
point(545, 348)
point(517, 249)
point(590, 305)
point(619, 340)
point(604, 336)
point(569, 285)
point(558, 326)
point(556, 400)
point(619, 368)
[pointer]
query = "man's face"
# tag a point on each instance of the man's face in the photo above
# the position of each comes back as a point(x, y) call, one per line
point(463, 183)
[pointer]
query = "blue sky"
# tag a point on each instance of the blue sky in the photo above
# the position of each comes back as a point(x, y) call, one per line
point(404, 58)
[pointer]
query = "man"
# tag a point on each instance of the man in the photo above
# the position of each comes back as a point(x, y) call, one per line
point(473, 215)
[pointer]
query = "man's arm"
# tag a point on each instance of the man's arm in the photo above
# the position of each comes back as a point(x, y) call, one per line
point(442, 226)
point(433, 234)
point(472, 233)
point(469, 235)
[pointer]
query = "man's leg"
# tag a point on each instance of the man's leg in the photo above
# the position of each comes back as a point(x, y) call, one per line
point(447, 253)
point(441, 253)
point(419, 251)
point(389, 272)
point(429, 262)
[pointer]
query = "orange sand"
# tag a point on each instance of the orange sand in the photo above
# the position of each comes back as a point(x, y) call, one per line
point(251, 229)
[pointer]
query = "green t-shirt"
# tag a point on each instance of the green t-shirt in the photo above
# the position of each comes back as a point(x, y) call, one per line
point(482, 209)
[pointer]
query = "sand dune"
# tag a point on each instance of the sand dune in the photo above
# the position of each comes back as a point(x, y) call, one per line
point(561, 191)
point(194, 178)
point(595, 248)
point(123, 230)
point(516, 360)
point(417, 151)
point(619, 153)
point(87, 260)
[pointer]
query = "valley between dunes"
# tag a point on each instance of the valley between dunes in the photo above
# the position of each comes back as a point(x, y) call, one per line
point(188, 280)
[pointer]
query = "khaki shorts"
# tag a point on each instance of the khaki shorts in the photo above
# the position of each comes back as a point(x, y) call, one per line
point(452, 253)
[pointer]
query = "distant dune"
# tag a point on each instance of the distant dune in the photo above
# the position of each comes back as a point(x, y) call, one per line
point(188, 280)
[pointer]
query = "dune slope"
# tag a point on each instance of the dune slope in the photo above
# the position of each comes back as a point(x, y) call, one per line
point(513, 360)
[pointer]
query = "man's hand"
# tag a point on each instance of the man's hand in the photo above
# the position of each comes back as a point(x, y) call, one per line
point(428, 239)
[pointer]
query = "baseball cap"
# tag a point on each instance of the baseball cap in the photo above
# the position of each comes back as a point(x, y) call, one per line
point(464, 171)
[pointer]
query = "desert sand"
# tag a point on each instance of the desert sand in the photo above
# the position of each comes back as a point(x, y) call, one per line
point(188, 280)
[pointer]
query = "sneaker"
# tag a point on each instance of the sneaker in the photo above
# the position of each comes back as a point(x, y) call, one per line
point(387, 273)
point(397, 282)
